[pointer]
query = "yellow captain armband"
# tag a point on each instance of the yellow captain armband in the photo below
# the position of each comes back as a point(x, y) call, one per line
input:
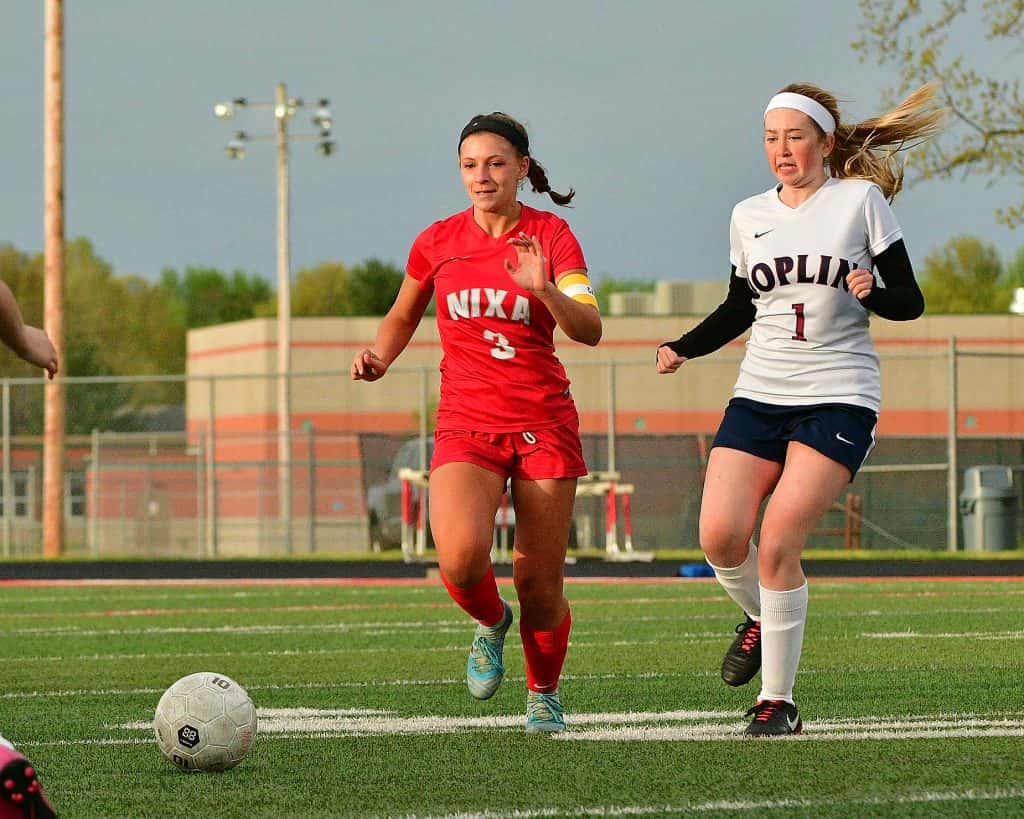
point(577, 287)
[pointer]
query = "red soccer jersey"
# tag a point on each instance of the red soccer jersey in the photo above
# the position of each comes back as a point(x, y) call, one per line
point(499, 372)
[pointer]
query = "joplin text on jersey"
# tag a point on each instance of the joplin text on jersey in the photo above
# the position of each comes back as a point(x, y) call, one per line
point(763, 278)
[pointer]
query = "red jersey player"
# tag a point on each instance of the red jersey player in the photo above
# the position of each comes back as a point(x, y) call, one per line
point(504, 275)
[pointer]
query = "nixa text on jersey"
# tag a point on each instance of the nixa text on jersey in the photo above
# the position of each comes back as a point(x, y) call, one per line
point(470, 303)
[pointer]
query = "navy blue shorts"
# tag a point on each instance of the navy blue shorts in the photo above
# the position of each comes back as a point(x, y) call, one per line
point(843, 432)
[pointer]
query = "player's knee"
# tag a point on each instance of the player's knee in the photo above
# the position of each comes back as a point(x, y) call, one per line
point(537, 594)
point(722, 543)
point(774, 560)
point(464, 569)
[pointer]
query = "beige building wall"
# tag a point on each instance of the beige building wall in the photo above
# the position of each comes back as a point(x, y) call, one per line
point(915, 370)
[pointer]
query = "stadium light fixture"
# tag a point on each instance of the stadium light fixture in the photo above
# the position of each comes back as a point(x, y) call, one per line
point(322, 119)
point(283, 109)
point(235, 148)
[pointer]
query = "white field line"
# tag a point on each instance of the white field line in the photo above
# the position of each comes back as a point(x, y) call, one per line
point(616, 677)
point(149, 611)
point(289, 593)
point(947, 635)
point(682, 600)
point(688, 637)
point(357, 722)
point(745, 806)
point(384, 628)
point(646, 726)
point(343, 684)
point(373, 628)
point(720, 733)
point(328, 652)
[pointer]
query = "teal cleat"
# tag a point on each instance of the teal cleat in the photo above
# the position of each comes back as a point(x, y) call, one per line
point(485, 667)
point(544, 713)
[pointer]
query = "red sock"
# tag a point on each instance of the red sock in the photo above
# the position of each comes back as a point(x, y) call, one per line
point(480, 601)
point(545, 653)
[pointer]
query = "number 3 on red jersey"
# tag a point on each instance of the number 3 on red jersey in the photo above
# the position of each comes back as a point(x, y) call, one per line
point(501, 349)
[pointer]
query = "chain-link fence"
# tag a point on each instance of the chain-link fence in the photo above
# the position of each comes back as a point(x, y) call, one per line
point(216, 473)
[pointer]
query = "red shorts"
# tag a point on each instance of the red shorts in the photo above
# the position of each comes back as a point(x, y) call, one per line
point(547, 453)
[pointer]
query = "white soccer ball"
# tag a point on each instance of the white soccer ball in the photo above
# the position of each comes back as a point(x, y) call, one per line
point(205, 722)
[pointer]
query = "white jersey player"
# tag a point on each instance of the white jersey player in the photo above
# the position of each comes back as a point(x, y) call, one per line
point(811, 257)
point(810, 342)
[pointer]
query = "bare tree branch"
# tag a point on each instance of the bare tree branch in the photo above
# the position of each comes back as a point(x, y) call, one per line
point(985, 132)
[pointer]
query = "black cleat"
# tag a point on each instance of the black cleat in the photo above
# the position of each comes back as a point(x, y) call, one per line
point(743, 659)
point(20, 791)
point(774, 718)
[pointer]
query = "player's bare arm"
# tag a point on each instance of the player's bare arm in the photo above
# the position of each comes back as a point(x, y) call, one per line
point(29, 343)
point(395, 330)
point(579, 319)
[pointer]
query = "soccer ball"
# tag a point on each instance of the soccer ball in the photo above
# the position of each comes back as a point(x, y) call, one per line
point(205, 722)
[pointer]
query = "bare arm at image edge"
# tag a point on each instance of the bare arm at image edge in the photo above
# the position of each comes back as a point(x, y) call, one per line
point(29, 343)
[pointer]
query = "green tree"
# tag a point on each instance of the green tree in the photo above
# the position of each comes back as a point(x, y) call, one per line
point(329, 289)
point(1013, 277)
point(112, 326)
point(321, 291)
point(610, 284)
point(964, 276)
point(985, 132)
point(373, 286)
point(204, 296)
point(116, 326)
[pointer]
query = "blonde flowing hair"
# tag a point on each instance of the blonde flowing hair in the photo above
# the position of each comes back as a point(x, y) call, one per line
point(867, 149)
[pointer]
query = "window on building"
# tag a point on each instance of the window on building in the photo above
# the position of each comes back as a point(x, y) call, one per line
point(19, 494)
point(74, 495)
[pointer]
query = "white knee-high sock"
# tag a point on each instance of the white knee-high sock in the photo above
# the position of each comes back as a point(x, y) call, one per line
point(783, 614)
point(740, 583)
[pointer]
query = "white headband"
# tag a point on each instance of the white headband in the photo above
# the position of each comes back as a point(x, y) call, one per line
point(814, 109)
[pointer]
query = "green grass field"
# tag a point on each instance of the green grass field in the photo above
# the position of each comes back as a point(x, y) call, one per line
point(912, 694)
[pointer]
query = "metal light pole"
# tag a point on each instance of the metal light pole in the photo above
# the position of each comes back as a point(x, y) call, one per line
point(283, 108)
point(284, 320)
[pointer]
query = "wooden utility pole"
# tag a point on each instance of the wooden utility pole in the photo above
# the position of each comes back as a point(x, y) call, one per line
point(53, 286)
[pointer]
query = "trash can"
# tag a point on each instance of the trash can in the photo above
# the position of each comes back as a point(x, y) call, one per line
point(988, 507)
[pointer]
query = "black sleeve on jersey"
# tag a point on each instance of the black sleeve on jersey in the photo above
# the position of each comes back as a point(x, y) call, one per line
point(730, 319)
point(901, 299)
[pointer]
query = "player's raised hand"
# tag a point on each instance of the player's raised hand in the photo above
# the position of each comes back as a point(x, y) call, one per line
point(860, 282)
point(668, 360)
point(368, 366)
point(39, 350)
point(531, 271)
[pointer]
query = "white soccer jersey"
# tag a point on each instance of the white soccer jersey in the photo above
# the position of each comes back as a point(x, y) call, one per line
point(810, 342)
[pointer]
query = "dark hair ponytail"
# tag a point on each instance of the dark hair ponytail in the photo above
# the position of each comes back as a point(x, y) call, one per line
point(539, 182)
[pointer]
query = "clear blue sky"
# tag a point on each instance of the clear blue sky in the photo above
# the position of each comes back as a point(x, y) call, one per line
point(651, 109)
